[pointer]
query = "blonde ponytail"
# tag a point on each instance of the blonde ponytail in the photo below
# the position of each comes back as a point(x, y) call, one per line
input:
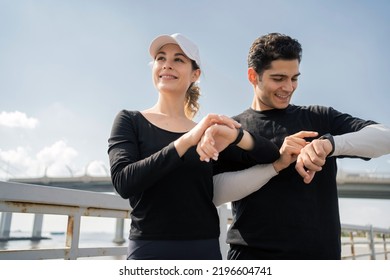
point(191, 104)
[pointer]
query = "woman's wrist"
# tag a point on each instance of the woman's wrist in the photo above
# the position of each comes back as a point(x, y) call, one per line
point(182, 144)
point(247, 142)
point(239, 137)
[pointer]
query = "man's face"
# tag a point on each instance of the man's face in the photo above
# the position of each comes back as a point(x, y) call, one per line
point(275, 87)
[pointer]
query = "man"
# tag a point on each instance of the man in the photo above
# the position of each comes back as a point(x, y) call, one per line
point(295, 215)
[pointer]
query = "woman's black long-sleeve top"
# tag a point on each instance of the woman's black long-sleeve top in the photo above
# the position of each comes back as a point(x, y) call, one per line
point(171, 196)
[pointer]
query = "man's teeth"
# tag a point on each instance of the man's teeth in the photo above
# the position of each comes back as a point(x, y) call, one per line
point(282, 96)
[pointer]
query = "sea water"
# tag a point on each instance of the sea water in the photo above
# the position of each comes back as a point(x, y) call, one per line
point(57, 240)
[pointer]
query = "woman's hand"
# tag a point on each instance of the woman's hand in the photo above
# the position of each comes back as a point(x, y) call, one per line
point(215, 139)
point(192, 137)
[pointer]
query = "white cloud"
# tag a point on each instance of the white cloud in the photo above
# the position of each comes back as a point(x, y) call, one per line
point(56, 160)
point(52, 161)
point(17, 119)
point(19, 156)
point(15, 163)
point(59, 152)
point(96, 168)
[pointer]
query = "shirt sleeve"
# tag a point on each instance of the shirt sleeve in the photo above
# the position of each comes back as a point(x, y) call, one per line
point(234, 158)
point(232, 186)
point(370, 142)
point(130, 173)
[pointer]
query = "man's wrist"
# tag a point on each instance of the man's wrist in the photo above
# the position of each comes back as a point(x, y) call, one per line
point(329, 137)
point(277, 166)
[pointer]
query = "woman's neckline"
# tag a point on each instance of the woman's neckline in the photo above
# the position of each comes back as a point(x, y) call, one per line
point(156, 126)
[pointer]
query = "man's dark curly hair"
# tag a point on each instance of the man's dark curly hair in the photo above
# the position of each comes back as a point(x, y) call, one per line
point(270, 47)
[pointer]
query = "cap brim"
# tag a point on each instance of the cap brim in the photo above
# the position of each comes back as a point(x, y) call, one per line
point(159, 42)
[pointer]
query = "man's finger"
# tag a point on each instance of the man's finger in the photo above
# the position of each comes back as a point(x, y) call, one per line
point(305, 134)
point(306, 174)
point(309, 176)
point(300, 168)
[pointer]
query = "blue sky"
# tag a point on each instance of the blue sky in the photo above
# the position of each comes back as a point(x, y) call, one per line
point(67, 68)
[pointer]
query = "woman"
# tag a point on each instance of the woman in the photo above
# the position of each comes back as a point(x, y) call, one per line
point(155, 165)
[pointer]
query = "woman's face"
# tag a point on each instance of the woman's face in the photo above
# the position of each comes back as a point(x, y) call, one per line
point(172, 70)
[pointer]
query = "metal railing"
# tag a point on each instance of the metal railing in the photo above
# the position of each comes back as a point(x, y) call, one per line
point(75, 204)
point(358, 241)
point(365, 242)
point(40, 200)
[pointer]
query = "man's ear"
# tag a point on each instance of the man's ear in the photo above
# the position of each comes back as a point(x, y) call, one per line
point(252, 76)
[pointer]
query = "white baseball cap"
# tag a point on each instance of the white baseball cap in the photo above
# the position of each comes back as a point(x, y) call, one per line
point(187, 46)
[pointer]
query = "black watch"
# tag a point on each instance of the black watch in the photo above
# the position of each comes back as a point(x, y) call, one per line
point(239, 137)
point(330, 138)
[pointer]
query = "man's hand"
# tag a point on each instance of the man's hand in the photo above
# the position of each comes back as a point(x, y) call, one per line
point(291, 147)
point(312, 158)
